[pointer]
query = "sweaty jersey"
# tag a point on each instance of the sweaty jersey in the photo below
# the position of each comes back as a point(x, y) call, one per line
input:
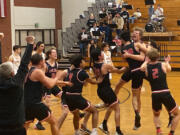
point(77, 77)
point(66, 79)
point(51, 70)
point(131, 62)
point(97, 70)
point(157, 77)
point(33, 90)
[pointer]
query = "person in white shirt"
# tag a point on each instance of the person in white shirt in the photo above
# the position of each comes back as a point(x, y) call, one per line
point(94, 28)
point(107, 56)
point(159, 12)
point(15, 58)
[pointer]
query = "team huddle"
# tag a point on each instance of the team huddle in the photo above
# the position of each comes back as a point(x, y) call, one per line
point(37, 77)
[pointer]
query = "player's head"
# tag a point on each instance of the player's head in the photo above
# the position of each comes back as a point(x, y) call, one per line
point(37, 59)
point(153, 44)
point(78, 61)
point(40, 46)
point(97, 55)
point(17, 49)
point(153, 54)
point(51, 53)
point(105, 47)
point(125, 36)
point(137, 34)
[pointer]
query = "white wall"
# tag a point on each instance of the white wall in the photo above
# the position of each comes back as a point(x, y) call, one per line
point(71, 9)
point(26, 17)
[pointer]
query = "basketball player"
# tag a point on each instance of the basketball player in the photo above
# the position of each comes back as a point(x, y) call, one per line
point(135, 58)
point(33, 92)
point(51, 70)
point(105, 92)
point(156, 74)
point(107, 56)
point(11, 92)
point(73, 96)
point(15, 58)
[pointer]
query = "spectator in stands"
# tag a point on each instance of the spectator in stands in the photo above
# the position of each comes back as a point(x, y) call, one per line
point(102, 13)
point(83, 41)
point(119, 5)
point(94, 28)
point(159, 12)
point(136, 15)
point(124, 13)
point(92, 46)
point(91, 21)
point(151, 11)
point(119, 21)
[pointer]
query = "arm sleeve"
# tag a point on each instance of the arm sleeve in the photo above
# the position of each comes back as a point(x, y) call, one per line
point(23, 68)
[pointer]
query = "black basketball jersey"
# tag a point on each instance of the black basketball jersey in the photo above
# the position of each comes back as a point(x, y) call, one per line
point(33, 91)
point(156, 77)
point(51, 70)
point(131, 62)
point(77, 77)
point(97, 70)
point(66, 79)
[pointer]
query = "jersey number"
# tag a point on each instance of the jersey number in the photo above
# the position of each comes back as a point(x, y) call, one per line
point(155, 73)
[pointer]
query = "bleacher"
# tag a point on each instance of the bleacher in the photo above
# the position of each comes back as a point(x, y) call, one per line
point(168, 46)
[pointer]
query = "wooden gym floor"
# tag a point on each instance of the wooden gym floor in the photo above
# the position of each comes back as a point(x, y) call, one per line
point(127, 114)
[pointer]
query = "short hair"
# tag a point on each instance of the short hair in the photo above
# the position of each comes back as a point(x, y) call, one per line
point(6, 69)
point(141, 30)
point(49, 52)
point(154, 45)
point(76, 60)
point(15, 47)
point(125, 35)
point(153, 54)
point(104, 45)
point(95, 54)
point(36, 58)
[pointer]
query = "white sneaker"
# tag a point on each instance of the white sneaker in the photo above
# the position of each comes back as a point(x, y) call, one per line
point(77, 132)
point(102, 129)
point(94, 132)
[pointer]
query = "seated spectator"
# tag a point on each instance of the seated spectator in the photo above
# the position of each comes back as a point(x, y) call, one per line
point(119, 21)
point(91, 21)
point(83, 41)
point(136, 15)
point(119, 5)
point(159, 12)
point(124, 13)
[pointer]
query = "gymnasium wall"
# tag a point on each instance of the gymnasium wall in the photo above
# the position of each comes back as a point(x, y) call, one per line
point(71, 9)
point(5, 27)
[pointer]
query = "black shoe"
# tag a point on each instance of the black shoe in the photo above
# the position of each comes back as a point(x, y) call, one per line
point(137, 122)
point(119, 133)
point(170, 121)
point(39, 126)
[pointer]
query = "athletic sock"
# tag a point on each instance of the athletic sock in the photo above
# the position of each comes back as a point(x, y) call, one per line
point(118, 130)
point(105, 125)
